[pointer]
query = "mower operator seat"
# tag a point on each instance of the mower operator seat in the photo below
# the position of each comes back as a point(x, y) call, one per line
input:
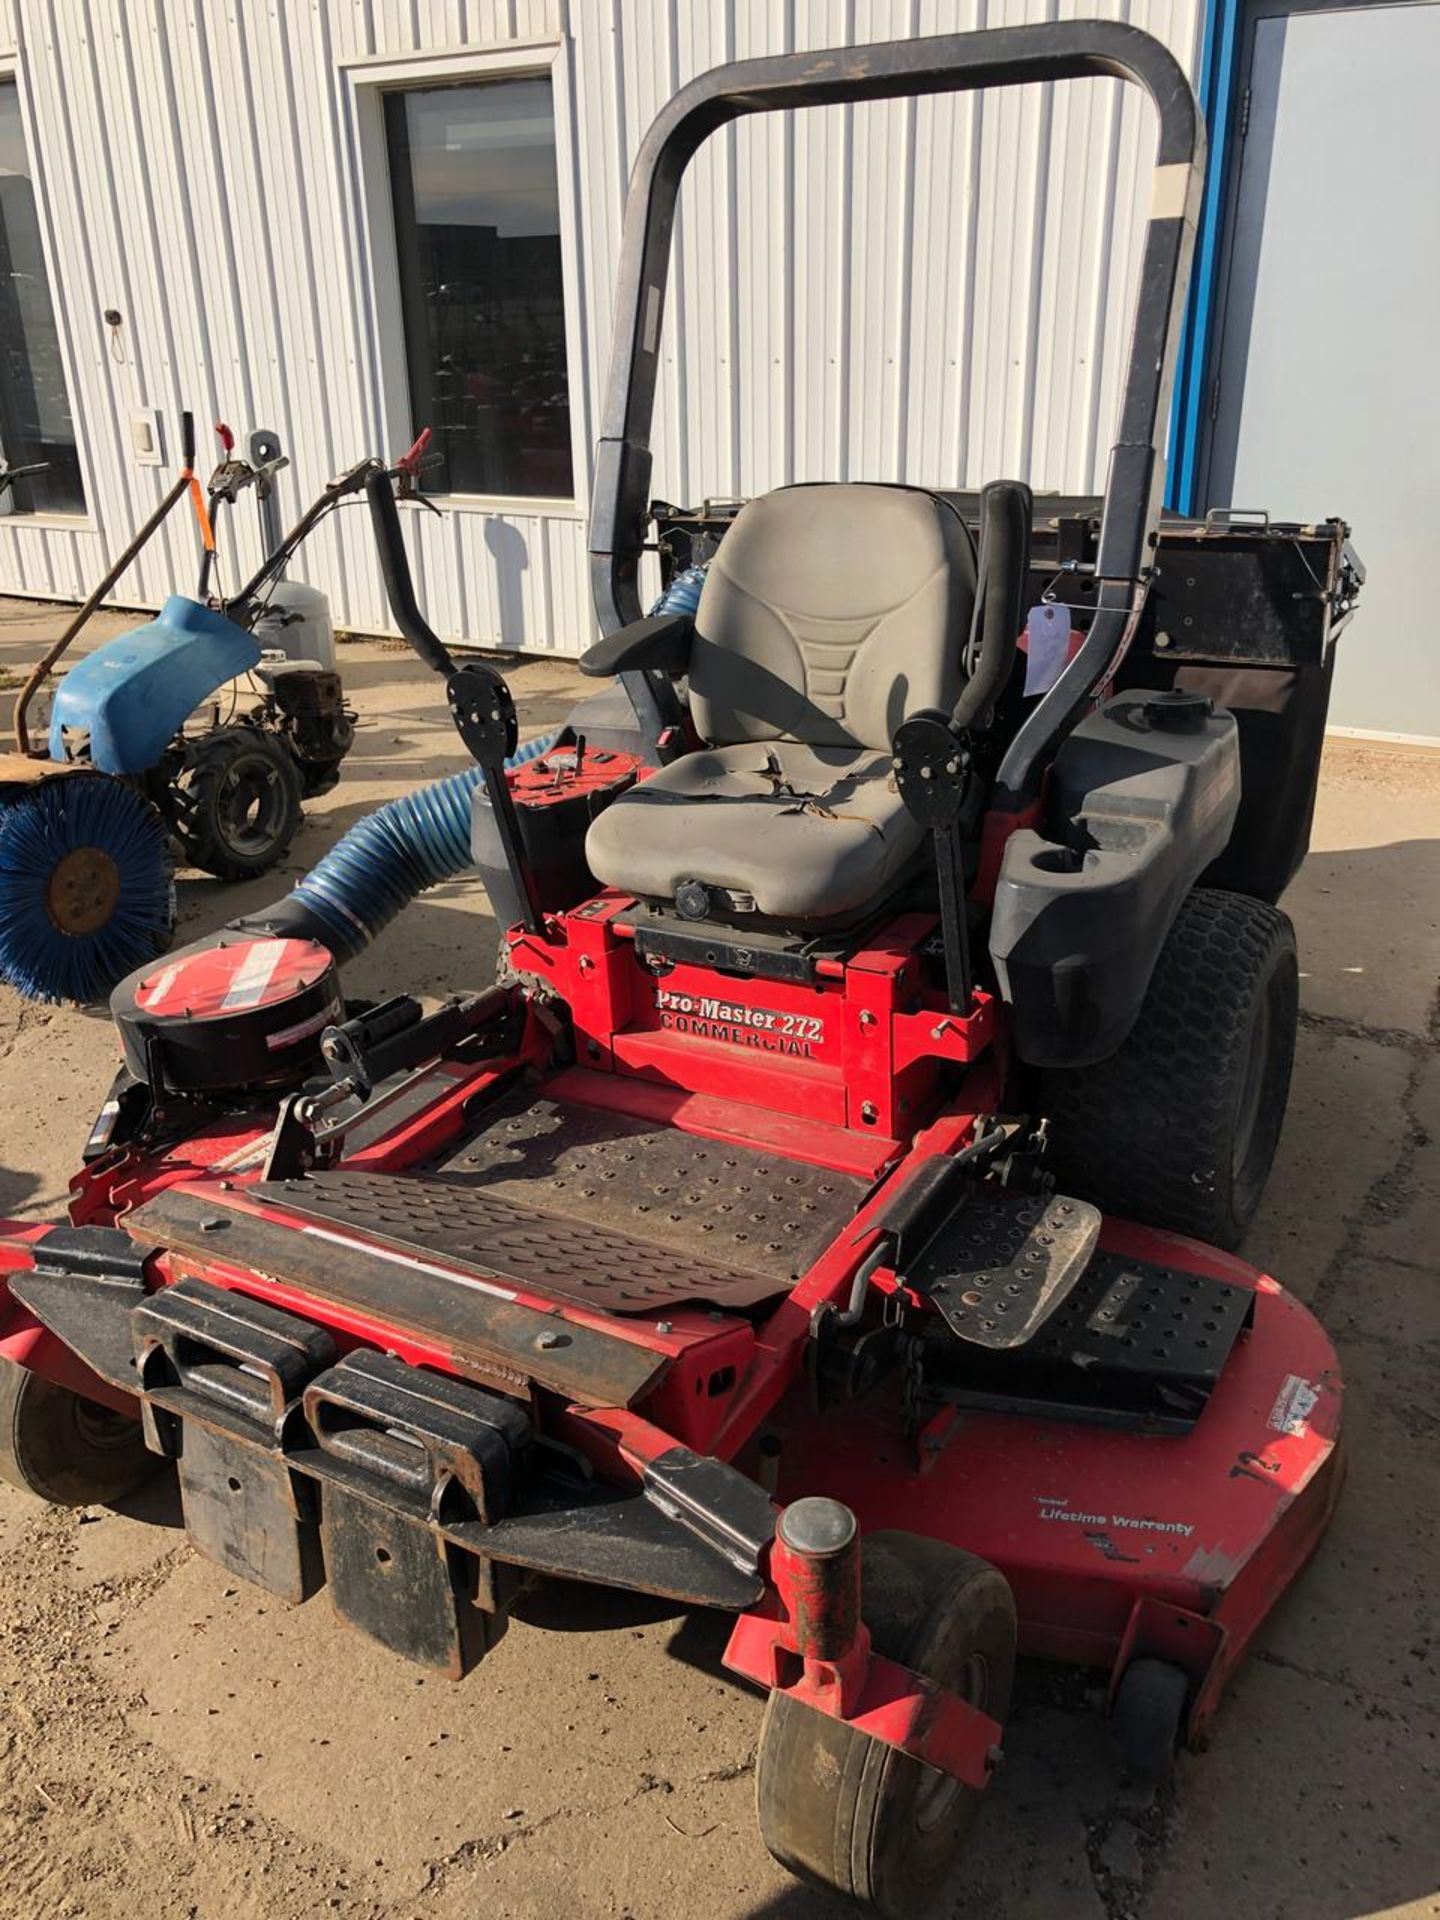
point(829, 615)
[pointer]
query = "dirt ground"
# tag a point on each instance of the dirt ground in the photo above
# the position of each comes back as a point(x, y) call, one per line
point(174, 1743)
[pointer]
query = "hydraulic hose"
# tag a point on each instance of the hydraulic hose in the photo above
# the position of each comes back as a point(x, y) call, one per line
point(1006, 507)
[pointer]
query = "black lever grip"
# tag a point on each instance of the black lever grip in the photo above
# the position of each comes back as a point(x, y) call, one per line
point(399, 584)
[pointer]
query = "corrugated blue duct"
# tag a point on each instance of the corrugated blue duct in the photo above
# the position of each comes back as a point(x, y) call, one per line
point(393, 854)
point(415, 842)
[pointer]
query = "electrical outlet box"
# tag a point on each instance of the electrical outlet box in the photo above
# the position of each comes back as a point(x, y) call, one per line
point(145, 437)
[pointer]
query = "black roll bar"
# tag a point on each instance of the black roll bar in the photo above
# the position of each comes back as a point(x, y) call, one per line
point(947, 63)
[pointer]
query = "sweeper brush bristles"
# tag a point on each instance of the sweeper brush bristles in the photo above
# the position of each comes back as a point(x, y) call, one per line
point(85, 886)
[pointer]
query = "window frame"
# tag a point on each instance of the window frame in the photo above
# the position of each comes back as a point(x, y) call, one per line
point(12, 72)
point(367, 81)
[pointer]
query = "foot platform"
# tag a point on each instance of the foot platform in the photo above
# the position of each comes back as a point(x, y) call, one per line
point(1001, 1263)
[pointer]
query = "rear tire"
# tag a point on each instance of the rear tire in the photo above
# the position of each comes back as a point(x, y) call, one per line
point(1178, 1128)
point(65, 1449)
point(237, 803)
point(849, 1813)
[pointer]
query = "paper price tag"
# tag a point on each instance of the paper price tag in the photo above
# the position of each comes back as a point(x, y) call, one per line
point(1047, 642)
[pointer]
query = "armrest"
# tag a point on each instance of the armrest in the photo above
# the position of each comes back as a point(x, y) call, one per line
point(660, 644)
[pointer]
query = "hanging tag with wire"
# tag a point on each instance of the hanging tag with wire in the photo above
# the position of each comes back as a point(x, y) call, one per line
point(1047, 645)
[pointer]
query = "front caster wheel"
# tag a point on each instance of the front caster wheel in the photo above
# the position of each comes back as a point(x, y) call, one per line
point(68, 1450)
point(1147, 1716)
point(851, 1814)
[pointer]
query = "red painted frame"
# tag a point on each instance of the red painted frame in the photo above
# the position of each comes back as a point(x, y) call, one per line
point(1115, 1543)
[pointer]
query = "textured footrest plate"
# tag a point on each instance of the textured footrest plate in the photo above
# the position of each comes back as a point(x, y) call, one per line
point(1003, 1262)
point(497, 1239)
point(1135, 1344)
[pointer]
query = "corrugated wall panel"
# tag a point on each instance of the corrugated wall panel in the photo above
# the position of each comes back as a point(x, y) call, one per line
point(934, 291)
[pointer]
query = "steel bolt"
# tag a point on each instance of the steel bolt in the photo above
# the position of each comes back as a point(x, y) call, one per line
point(663, 1326)
point(546, 1340)
point(867, 1019)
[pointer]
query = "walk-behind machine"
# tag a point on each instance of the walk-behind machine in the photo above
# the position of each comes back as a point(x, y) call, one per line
point(203, 729)
point(799, 1228)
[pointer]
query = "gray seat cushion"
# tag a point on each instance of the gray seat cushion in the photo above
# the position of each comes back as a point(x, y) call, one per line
point(811, 832)
point(830, 614)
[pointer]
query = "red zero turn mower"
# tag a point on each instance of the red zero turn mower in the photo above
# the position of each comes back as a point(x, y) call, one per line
point(801, 1227)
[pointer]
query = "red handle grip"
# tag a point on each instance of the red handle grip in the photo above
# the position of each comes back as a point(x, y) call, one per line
point(410, 462)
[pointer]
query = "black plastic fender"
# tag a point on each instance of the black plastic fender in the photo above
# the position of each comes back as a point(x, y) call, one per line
point(1143, 795)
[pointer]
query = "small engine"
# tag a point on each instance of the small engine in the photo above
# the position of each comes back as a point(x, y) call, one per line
point(305, 705)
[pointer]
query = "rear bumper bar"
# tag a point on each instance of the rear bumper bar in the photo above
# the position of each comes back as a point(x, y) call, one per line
point(418, 1498)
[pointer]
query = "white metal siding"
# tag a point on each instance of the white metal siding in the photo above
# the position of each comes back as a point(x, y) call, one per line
point(935, 290)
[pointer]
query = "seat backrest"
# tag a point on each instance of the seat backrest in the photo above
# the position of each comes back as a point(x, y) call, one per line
point(829, 614)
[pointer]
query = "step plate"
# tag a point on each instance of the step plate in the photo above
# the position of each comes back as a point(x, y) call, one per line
point(1135, 1344)
point(544, 1253)
point(1003, 1262)
point(700, 1198)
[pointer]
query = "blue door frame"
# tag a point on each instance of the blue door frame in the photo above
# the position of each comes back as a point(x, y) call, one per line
point(1217, 99)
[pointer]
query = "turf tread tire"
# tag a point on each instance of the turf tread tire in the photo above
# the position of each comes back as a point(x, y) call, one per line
point(1150, 1133)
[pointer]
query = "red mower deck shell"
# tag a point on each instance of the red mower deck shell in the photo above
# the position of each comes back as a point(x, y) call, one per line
point(1117, 1543)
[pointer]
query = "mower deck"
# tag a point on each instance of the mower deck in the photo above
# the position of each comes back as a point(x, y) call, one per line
point(1118, 1538)
point(1118, 1543)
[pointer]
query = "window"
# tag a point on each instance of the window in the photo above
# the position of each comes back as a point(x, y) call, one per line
point(477, 234)
point(35, 420)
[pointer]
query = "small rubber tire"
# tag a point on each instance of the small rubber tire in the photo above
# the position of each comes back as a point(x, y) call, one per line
point(1178, 1128)
point(1147, 1716)
point(237, 802)
point(857, 1817)
point(64, 1448)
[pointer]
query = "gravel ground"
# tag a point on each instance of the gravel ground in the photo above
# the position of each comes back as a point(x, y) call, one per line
point(174, 1743)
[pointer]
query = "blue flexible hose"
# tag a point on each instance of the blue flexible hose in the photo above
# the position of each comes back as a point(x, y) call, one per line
point(683, 593)
point(415, 842)
point(393, 854)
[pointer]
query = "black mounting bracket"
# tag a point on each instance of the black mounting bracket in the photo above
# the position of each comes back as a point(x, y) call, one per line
point(483, 709)
point(932, 776)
